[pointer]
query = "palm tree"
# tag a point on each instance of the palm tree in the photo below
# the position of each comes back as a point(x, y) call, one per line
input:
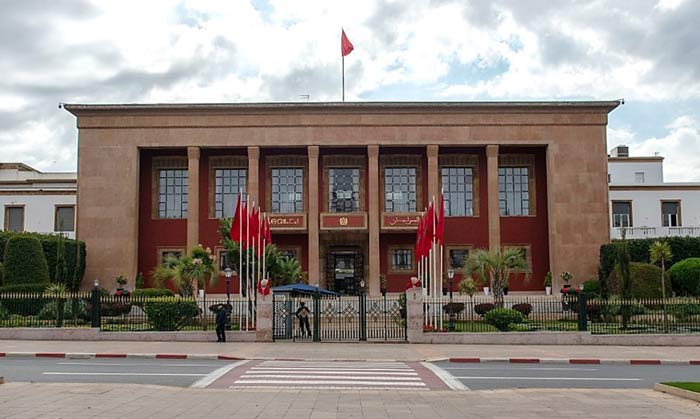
point(494, 267)
point(185, 271)
point(660, 252)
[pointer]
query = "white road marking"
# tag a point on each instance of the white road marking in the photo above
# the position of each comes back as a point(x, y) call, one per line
point(521, 369)
point(99, 364)
point(215, 375)
point(446, 377)
point(134, 374)
point(331, 382)
point(325, 371)
point(331, 377)
point(377, 370)
point(550, 378)
point(353, 388)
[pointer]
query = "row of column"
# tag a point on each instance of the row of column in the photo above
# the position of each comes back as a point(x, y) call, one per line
point(374, 211)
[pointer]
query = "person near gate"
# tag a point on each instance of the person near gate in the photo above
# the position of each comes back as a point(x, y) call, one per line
point(303, 314)
point(221, 317)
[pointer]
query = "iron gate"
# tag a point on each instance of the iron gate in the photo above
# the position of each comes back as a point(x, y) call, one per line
point(339, 318)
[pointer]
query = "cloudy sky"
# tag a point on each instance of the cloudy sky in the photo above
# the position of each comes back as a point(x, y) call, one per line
point(82, 51)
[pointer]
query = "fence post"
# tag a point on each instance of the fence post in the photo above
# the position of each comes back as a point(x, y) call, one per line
point(363, 316)
point(582, 313)
point(96, 310)
point(317, 317)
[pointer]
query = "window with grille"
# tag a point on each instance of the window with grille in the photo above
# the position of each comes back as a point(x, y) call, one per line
point(402, 259)
point(228, 183)
point(172, 194)
point(457, 188)
point(671, 212)
point(513, 191)
point(289, 253)
point(14, 218)
point(400, 189)
point(622, 214)
point(343, 189)
point(65, 219)
point(287, 190)
point(457, 257)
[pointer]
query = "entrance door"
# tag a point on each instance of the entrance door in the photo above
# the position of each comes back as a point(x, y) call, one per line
point(344, 273)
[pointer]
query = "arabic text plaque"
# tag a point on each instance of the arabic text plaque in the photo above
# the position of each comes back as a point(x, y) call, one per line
point(283, 222)
point(400, 221)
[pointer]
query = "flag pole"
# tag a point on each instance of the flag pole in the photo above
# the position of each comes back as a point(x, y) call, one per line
point(240, 255)
point(343, 61)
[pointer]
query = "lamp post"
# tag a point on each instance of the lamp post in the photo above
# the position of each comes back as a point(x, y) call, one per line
point(451, 324)
point(227, 273)
point(363, 312)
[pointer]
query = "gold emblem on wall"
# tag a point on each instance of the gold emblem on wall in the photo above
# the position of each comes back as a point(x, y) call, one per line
point(343, 221)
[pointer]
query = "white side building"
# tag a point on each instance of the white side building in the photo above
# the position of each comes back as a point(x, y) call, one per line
point(37, 202)
point(643, 205)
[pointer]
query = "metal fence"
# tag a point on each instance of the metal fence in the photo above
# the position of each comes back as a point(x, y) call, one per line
point(123, 313)
point(562, 313)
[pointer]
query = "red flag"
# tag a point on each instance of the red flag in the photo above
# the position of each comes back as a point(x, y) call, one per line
point(440, 226)
point(430, 220)
point(244, 226)
point(254, 226)
point(268, 231)
point(235, 232)
point(346, 46)
point(419, 239)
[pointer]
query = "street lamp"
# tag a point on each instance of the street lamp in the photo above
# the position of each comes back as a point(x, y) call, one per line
point(451, 324)
point(227, 273)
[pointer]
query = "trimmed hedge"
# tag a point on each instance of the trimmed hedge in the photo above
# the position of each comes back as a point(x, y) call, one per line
point(681, 248)
point(685, 277)
point(38, 288)
point(483, 308)
point(502, 318)
point(152, 292)
point(25, 262)
point(170, 314)
point(524, 308)
point(646, 281)
point(49, 243)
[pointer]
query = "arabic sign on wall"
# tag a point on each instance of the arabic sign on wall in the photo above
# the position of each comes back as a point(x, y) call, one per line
point(345, 221)
point(400, 221)
point(288, 221)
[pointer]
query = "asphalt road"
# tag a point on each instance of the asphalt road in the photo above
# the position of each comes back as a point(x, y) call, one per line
point(179, 373)
point(508, 376)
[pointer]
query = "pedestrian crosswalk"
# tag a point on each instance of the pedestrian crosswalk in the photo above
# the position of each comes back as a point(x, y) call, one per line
point(331, 375)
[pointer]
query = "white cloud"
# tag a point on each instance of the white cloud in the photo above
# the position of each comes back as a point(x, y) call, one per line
point(679, 147)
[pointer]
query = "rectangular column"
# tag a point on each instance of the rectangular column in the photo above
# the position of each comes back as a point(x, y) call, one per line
point(192, 197)
point(433, 173)
point(313, 217)
point(492, 192)
point(373, 215)
point(253, 172)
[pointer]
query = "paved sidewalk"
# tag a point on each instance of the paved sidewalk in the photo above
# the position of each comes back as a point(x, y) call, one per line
point(356, 351)
point(24, 400)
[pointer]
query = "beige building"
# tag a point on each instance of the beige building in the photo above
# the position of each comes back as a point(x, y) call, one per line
point(344, 183)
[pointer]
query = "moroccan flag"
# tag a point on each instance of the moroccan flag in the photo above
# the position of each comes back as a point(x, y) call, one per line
point(346, 46)
point(235, 232)
point(419, 240)
point(254, 225)
point(440, 224)
point(244, 226)
point(268, 231)
point(430, 220)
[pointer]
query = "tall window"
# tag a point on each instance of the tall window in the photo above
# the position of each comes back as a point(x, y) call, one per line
point(287, 190)
point(400, 189)
point(513, 191)
point(172, 194)
point(457, 256)
point(343, 189)
point(671, 211)
point(229, 182)
point(14, 218)
point(65, 218)
point(638, 177)
point(622, 214)
point(457, 187)
point(401, 259)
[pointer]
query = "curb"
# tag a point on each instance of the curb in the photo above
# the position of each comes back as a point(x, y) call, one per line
point(678, 392)
point(472, 360)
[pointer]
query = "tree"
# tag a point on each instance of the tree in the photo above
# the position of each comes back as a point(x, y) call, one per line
point(197, 267)
point(660, 252)
point(623, 258)
point(495, 267)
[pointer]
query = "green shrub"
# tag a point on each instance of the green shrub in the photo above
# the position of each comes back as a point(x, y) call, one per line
point(524, 308)
point(26, 305)
point(4, 314)
point(646, 281)
point(454, 308)
point(502, 318)
point(152, 292)
point(71, 309)
point(483, 308)
point(592, 288)
point(25, 262)
point(24, 288)
point(170, 314)
point(685, 277)
point(111, 308)
point(0, 274)
point(684, 312)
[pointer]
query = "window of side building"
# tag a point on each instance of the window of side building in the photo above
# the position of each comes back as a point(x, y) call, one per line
point(14, 218)
point(229, 182)
point(64, 219)
point(343, 189)
point(287, 190)
point(400, 189)
point(514, 191)
point(456, 257)
point(671, 213)
point(622, 214)
point(172, 193)
point(457, 184)
point(401, 260)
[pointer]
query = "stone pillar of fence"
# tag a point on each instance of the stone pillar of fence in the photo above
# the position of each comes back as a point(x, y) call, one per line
point(263, 323)
point(414, 315)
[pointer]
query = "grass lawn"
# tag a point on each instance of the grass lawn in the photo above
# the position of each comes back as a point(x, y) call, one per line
point(695, 387)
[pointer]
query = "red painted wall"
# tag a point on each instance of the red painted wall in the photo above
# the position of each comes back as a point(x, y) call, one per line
point(533, 230)
point(154, 233)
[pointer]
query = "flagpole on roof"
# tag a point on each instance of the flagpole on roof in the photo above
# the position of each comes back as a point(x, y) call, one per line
point(346, 48)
